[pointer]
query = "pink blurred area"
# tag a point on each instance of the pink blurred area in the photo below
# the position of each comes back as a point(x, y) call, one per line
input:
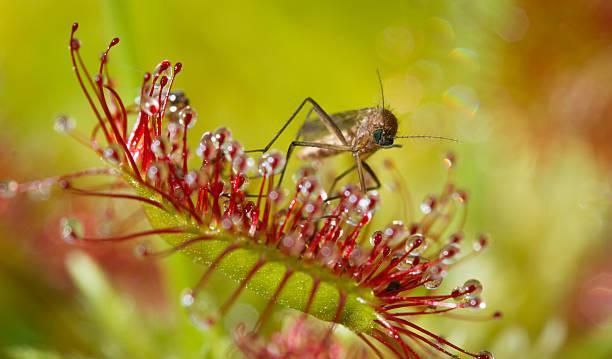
point(559, 72)
point(30, 230)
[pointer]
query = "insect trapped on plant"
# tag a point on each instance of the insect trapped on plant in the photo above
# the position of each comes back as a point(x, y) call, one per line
point(360, 132)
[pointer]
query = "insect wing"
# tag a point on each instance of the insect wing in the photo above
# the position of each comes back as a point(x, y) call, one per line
point(314, 129)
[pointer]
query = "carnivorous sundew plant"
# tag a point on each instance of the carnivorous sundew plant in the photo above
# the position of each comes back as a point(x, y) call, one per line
point(293, 247)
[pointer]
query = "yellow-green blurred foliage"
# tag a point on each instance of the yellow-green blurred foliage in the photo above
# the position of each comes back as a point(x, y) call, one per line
point(525, 86)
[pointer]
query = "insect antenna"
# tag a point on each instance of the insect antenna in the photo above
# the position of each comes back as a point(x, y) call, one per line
point(430, 137)
point(382, 92)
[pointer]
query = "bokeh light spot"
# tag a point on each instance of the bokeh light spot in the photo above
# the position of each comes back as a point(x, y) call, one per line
point(395, 44)
point(463, 99)
point(441, 31)
point(515, 25)
point(466, 58)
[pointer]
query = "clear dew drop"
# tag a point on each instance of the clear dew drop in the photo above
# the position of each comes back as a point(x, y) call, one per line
point(141, 250)
point(376, 238)
point(481, 243)
point(206, 148)
point(396, 232)
point(310, 208)
point(199, 309)
point(433, 283)
point(416, 244)
point(8, 188)
point(364, 204)
point(306, 186)
point(232, 149)
point(157, 171)
point(461, 197)
point(150, 105)
point(191, 178)
point(449, 253)
point(449, 160)
point(112, 154)
point(226, 223)
point(469, 292)
point(289, 240)
point(358, 257)
point(187, 298)
point(271, 162)
point(475, 303)
point(175, 130)
point(158, 147)
point(242, 164)
point(435, 275)
point(179, 192)
point(411, 261)
point(222, 135)
point(39, 191)
point(64, 124)
point(427, 206)
point(325, 251)
point(205, 145)
point(354, 217)
point(71, 229)
point(456, 238)
point(214, 226)
point(472, 287)
point(188, 117)
point(275, 196)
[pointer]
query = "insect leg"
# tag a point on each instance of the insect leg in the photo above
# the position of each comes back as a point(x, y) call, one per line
point(351, 169)
point(366, 167)
point(300, 132)
point(341, 176)
point(359, 164)
point(322, 115)
point(327, 146)
point(287, 156)
point(372, 174)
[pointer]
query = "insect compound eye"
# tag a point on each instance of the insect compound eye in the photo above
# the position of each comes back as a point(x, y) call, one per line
point(386, 140)
point(377, 134)
point(381, 138)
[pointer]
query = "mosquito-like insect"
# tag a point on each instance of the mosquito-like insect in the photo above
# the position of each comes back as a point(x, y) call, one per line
point(359, 132)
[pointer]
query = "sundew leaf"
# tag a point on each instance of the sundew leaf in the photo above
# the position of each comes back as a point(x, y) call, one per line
point(312, 252)
point(356, 315)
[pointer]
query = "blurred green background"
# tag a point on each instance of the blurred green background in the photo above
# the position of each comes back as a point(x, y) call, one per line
point(525, 86)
